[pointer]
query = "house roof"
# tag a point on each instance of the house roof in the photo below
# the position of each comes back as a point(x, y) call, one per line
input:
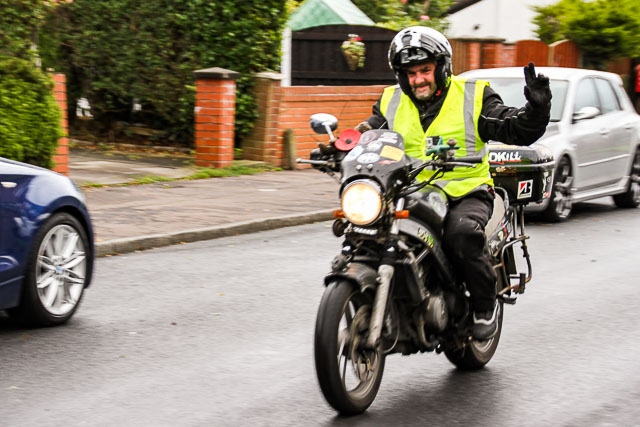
point(458, 5)
point(314, 13)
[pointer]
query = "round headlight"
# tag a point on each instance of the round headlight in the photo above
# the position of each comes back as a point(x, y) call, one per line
point(361, 202)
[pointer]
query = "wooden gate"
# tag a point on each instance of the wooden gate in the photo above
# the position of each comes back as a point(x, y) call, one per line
point(532, 51)
point(317, 57)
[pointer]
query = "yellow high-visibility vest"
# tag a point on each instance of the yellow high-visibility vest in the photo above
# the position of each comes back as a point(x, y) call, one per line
point(457, 119)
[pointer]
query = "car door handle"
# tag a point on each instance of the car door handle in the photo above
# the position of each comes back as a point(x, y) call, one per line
point(604, 131)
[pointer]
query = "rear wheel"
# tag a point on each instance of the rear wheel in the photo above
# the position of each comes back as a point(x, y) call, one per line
point(631, 197)
point(476, 354)
point(561, 201)
point(348, 373)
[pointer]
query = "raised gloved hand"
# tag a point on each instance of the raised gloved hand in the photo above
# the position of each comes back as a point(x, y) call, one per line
point(536, 88)
point(362, 127)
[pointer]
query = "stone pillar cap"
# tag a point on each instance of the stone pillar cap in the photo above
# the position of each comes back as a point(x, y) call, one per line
point(216, 73)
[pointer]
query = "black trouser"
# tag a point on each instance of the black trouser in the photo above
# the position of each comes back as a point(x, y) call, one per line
point(465, 245)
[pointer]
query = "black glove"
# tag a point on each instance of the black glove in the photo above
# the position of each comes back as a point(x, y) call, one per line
point(362, 127)
point(536, 88)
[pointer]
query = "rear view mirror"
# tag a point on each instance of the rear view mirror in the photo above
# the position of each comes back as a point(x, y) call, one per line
point(324, 123)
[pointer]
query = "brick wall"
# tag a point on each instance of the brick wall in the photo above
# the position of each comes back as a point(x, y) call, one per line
point(283, 108)
point(61, 156)
point(289, 108)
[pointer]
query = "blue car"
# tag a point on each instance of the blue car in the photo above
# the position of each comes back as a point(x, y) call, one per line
point(46, 245)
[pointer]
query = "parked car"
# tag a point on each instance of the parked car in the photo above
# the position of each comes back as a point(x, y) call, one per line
point(46, 245)
point(594, 135)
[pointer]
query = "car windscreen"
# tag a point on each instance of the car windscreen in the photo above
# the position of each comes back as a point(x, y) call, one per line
point(511, 90)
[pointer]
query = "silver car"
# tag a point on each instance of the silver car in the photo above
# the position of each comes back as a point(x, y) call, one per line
point(594, 135)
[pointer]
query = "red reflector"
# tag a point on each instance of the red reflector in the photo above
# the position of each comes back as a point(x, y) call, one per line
point(338, 213)
point(402, 214)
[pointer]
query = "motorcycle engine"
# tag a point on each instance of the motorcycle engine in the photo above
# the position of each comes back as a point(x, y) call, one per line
point(436, 315)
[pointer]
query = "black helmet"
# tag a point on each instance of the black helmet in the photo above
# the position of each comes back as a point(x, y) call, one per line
point(415, 45)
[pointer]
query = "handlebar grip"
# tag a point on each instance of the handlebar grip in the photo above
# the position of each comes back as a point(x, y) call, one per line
point(468, 159)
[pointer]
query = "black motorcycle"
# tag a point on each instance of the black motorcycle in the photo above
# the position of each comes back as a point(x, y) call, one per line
point(391, 289)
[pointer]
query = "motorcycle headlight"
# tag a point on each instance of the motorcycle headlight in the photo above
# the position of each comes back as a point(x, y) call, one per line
point(362, 202)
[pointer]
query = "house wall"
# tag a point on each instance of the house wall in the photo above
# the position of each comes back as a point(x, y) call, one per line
point(510, 20)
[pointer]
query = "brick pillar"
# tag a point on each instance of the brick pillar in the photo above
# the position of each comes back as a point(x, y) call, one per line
point(61, 157)
point(263, 144)
point(215, 117)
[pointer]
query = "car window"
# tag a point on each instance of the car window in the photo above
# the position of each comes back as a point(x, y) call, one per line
point(511, 90)
point(586, 95)
point(608, 98)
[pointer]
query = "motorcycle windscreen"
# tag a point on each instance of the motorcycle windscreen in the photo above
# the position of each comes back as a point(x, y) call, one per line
point(379, 153)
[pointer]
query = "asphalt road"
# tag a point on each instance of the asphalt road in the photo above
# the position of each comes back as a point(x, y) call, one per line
point(219, 333)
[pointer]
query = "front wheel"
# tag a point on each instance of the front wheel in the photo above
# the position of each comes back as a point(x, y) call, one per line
point(348, 373)
point(57, 273)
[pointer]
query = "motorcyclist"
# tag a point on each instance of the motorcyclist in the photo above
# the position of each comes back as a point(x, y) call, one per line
point(430, 101)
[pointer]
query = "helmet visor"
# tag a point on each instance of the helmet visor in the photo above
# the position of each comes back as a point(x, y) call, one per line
point(412, 56)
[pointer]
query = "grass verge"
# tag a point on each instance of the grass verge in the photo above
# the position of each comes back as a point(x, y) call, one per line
point(202, 173)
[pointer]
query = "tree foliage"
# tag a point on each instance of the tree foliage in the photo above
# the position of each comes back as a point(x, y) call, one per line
point(19, 21)
point(29, 116)
point(398, 14)
point(117, 52)
point(603, 30)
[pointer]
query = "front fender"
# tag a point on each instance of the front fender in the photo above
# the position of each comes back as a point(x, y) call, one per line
point(361, 274)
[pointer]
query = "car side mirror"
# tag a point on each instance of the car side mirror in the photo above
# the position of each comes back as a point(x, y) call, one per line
point(586, 113)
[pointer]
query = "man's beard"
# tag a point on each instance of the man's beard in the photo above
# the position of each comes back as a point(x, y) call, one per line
point(424, 95)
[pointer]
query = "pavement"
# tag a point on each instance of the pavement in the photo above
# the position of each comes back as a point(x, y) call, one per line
point(128, 216)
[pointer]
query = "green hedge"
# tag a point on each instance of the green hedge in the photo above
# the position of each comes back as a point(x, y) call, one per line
point(117, 51)
point(18, 22)
point(29, 116)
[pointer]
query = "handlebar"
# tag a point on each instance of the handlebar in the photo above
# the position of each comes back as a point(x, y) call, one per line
point(314, 162)
point(468, 159)
point(443, 165)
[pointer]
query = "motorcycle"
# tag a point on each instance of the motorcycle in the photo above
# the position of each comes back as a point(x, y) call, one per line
point(391, 288)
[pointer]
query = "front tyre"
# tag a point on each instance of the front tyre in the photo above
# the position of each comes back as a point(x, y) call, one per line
point(349, 375)
point(57, 272)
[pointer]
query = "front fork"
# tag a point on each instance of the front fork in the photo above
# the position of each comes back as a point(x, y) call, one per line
point(385, 274)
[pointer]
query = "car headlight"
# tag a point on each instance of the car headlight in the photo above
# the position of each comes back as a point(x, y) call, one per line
point(362, 202)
